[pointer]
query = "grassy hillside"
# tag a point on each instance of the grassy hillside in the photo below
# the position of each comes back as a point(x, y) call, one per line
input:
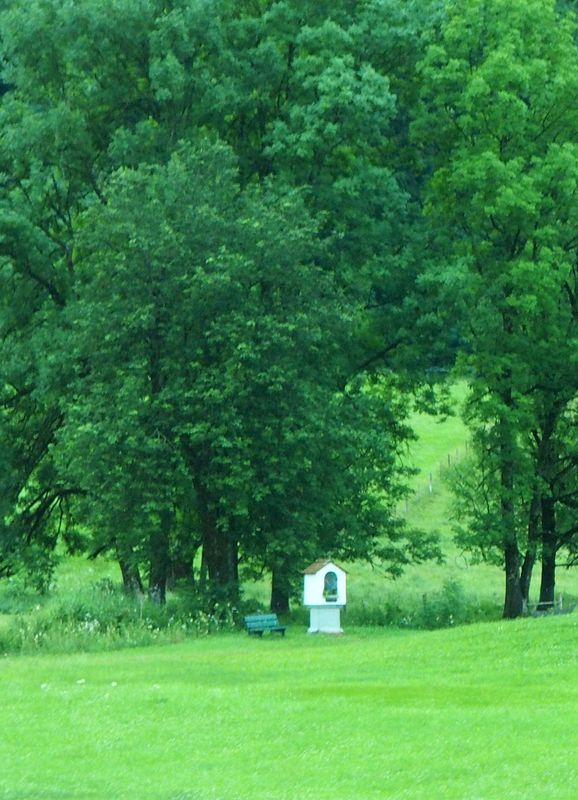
point(373, 597)
point(441, 443)
point(485, 712)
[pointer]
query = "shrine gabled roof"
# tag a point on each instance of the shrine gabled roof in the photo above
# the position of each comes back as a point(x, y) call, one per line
point(319, 564)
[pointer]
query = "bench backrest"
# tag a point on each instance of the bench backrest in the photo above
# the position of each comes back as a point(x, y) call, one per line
point(261, 621)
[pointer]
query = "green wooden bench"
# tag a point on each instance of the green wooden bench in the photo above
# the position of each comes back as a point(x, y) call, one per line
point(257, 624)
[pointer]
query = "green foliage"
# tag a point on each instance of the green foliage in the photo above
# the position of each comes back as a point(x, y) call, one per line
point(104, 617)
point(227, 376)
point(443, 608)
point(239, 242)
point(228, 320)
point(498, 126)
point(16, 595)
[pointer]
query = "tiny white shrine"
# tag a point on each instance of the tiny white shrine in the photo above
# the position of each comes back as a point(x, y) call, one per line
point(324, 593)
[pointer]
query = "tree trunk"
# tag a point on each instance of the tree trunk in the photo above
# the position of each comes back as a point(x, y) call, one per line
point(131, 579)
point(513, 600)
point(530, 557)
point(181, 571)
point(280, 590)
point(220, 550)
point(548, 578)
point(220, 553)
point(204, 571)
point(160, 559)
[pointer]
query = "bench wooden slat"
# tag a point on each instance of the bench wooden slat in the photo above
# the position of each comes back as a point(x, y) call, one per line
point(259, 623)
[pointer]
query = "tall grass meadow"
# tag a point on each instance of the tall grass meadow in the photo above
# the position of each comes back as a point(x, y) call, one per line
point(103, 616)
point(442, 608)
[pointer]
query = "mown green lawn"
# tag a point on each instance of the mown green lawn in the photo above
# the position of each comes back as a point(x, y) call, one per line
point(487, 711)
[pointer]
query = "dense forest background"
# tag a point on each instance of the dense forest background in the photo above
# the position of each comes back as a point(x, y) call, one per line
point(240, 243)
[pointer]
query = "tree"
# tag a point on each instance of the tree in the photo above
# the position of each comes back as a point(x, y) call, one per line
point(498, 124)
point(62, 105)
point(83, 92)
point(553, 437)
point(227, 350)
point(89, 92)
